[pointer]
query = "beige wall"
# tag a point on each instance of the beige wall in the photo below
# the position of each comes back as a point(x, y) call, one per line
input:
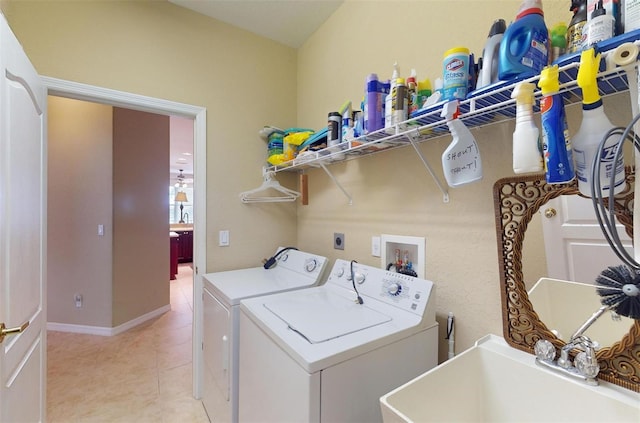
point(140, 214)
point(161, 50)
point(392, 192)
point(157, 49)
point(79, 198)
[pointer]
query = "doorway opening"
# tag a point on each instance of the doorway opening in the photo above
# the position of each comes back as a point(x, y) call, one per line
point(67, 89)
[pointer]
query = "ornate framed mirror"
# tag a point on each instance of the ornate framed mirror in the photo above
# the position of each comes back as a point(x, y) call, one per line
point(516, 200)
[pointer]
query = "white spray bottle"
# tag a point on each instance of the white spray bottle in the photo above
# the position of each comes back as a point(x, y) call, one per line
point(526, 138)
point(461, 161)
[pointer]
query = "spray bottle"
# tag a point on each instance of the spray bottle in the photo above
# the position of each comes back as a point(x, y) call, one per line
point(461, 161)
point(556, 143)
point(526, 137)
point(593, 129)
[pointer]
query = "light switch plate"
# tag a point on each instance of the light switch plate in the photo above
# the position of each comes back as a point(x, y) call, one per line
point(223, 238)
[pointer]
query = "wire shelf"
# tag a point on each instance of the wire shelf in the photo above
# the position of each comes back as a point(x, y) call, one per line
point(482, 107)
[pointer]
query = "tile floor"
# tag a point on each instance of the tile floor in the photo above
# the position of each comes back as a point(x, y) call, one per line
point(142, 375)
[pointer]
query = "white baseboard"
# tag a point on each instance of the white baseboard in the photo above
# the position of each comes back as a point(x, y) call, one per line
point(104, 331)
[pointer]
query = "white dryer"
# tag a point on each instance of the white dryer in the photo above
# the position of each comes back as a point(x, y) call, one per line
point(292, 269)
point(319, 355)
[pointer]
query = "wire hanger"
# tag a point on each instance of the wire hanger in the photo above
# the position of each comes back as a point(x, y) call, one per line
point(261, 194)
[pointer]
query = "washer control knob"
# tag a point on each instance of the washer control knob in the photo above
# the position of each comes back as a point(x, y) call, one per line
point(394, 289)
point(310, 265)
point(340, 272)
point(359, 278)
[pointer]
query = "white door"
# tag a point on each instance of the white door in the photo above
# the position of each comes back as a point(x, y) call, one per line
point(575, 247)
point(22, 234)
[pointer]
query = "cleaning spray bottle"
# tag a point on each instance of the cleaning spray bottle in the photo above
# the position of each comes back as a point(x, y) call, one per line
point(523, 50)
point(556, 143)
point(461, 161)
point(593, 129)
point(526, 137)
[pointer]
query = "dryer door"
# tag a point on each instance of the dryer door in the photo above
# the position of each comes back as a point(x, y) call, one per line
point(216, 346)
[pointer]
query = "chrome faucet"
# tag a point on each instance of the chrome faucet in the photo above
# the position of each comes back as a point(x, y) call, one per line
point(585, 364)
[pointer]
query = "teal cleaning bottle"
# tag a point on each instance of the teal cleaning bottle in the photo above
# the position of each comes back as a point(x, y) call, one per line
point(556, 143)
point(524, 49)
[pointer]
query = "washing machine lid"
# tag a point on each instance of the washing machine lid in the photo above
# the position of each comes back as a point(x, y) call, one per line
point(319, 318)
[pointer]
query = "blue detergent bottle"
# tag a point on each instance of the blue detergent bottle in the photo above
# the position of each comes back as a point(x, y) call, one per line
point(524, 50)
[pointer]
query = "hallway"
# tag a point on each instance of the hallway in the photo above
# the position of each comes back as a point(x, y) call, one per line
point(142, 375)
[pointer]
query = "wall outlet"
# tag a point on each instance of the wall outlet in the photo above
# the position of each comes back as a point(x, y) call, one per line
point(338, 241)
point(78, 300)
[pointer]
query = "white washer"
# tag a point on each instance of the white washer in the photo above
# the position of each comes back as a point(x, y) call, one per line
point(316, 355)
point(221, 304)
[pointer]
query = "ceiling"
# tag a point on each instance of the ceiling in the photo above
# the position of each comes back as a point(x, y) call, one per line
point(289, 22)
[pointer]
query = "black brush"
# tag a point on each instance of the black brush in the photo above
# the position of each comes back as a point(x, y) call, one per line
point(619, 289)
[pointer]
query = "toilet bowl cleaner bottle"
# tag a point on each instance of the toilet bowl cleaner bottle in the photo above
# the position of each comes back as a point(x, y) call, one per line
point(488, 74)
point(526, 138)
point(593, 129)
point(524, 50)
point(556, 143)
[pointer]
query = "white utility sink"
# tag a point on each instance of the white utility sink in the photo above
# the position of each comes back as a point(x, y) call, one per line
point(564, 306)
point(493, 382)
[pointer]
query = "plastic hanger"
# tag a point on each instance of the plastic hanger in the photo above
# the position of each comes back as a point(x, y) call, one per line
point(261, 194)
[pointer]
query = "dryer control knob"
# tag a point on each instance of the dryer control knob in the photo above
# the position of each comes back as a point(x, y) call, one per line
point(310, 265)
point(394, 289)
point(340, 272)
point(359, 277)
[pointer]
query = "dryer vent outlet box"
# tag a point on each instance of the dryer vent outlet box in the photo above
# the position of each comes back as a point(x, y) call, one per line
point(414, 247)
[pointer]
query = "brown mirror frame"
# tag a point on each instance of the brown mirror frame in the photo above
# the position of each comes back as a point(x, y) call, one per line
point(516, 200)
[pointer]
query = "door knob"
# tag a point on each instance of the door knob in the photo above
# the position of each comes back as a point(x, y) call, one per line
point(4, 331)
point(550, 212)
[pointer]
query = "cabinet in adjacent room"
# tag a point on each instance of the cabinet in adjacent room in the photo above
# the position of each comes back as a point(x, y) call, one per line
point(185, 246)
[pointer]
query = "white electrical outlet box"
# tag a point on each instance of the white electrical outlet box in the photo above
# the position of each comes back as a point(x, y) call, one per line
point(223, 238)
point(411, 246)
point(100, 230)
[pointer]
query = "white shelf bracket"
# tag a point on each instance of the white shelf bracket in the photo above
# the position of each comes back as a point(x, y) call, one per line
point(412, 139)
point(335, 181)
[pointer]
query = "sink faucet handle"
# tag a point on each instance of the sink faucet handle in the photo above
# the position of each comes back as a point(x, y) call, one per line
point(587, 363)
point(544, 350)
